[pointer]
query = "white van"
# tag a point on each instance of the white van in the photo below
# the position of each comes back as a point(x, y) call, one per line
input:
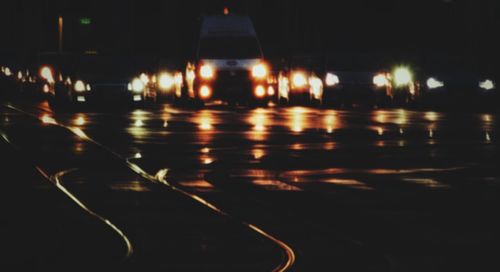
point(229, 62)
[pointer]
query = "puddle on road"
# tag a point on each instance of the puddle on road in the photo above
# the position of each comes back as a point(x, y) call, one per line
point(275, 185)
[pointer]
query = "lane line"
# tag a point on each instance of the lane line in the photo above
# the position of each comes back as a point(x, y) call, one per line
point(55, 180)
point(288, 253)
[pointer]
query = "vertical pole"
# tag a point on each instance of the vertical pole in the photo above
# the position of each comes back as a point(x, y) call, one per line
point(61, 25)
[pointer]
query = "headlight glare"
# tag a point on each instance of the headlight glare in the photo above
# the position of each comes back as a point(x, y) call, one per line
point(137, 85)
point(259, 71)
point(381, 80)
point(402, 76)
point(433, 83)
point(79, 86)
point(166, 81)
point(299, 80)
point(206, 71)
point(331, 79)
point(487, 85)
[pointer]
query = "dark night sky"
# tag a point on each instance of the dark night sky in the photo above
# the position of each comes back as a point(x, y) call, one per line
point(168, 28)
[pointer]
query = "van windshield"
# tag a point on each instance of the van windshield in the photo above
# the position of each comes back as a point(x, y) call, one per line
point(229, 48)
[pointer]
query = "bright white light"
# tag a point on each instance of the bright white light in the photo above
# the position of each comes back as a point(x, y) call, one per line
point(79, 86)
point(299, 80)
point(166, 81)
point(137, 85)
point(433, 83)
point(144, 78)
point(259, 71)
point(402, 76)
point(46, 73)
point(260, 91)
point(331, 79)
point(380, 80)
point(206, 71)
point(487, 85)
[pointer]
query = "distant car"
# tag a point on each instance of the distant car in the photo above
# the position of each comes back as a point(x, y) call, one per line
point(299, 83)
point(361, 80)
point(229, 63)
point(107, 80)
point(455, 82)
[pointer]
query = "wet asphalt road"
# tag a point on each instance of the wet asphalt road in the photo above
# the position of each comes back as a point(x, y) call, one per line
point(225, 189)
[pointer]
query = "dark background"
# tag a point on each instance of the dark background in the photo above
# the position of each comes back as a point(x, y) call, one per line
point(286, 27)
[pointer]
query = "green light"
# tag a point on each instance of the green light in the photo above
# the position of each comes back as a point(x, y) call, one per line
point(85, 21)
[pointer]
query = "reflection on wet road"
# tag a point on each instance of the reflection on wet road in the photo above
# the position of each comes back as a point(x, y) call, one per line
point(345, 189)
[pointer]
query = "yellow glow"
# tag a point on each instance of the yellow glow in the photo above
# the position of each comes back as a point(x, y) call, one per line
point(207, 71)
point(380, 131)
point(80, 121)
point(258, 153)
point(47, 119)
point(432, 116)
point(299, 80)
point(403, 76)
point(206, 123)
point(260, 91)
point(259, 71)
point(331, 122)
point(205, 92)
point(7, 72)
point(270, 91)
point(205, 150)
point(166, 81)
point(381, 80)
point(298, 120)
point(138, 123)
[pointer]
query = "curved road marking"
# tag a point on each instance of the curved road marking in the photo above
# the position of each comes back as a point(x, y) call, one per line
point(289, 254)
point(56, 180)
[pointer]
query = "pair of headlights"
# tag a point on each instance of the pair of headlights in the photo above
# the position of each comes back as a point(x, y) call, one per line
point(259, 71)
point(379, 80)
point(433, 83)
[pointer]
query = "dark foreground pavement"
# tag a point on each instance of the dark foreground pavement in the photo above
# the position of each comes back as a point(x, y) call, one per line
point(389, 190)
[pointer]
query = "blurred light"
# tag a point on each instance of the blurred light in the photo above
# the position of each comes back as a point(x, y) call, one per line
point(299, 80)
point(270, 91)
point(138, 155)
point(88, 87)
point(7, 72)
point(138, 123)
point(137, 98)
point(260, 91)
point(137, 85)
point(380, 131)
point(205, 150)
point(403, 76)
point(46, 73)
point(316, 87)
point(259, 71)
point(381, 80)
point(205, 92)
point(19, 75)
point(46, 88)
point(258, 153)
point(79, 86)
point(431, 133)
point(80, 121)
point(206, 71)
point(166, 81)
point(144, 78)
point(297, 125)
point(80, 98)
point(433, 83)
point(432, 116)
point(205, 123)
point(47, 119)
point(331, 80)
point(487, 85)
point(488, 137)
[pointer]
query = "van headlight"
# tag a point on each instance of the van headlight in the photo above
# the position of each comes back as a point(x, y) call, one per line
point(166, 81)
point(206, 71)
point(433, 83)
point(137, 85)
point(487, 85)
point(259, 71)
point(47, 74)
point(402, 77)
